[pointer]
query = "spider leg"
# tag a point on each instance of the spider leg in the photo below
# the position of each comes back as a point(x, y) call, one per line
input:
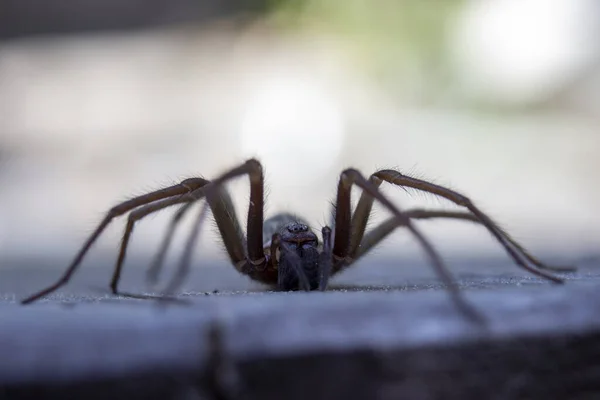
point(227, 222)
point(118, 210)
point(343, 227)
point(134, 217)
point(325, 262)
point(379, 233)
point(398, 179)
point(254, 263)
point(158, 260)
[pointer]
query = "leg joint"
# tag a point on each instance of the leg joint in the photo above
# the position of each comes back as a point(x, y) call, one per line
point(193, 183)
point(254, 170)
point(348, 177)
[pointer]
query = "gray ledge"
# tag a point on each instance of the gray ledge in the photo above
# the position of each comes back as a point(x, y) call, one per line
point(540, 341)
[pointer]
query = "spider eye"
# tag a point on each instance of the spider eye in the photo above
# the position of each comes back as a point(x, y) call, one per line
point(297, 228)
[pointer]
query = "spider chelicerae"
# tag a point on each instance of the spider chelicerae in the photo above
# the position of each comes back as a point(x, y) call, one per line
point(283, 251)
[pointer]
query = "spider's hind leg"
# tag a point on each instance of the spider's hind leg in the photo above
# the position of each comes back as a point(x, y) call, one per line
point(515, 250)
point(134, 217)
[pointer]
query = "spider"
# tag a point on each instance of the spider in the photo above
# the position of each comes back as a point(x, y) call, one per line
point(283, 251)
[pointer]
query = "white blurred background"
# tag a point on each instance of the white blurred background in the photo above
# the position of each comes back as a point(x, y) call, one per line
point(499, 99)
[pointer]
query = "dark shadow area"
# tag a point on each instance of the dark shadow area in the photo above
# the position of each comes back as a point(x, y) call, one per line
point(24, 18)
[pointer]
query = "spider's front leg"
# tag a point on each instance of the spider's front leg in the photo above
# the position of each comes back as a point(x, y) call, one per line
point(250, 259)
point(341, 252)
point(516, 251)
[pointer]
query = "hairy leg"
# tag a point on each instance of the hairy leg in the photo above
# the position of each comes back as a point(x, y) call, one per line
point(376, 235)
point(343, 227)
point(184, 187)
point(379, 233)
point(325, 259)
point(514, 249)
point(136, 216)
point(158, 259)
point(254, 262)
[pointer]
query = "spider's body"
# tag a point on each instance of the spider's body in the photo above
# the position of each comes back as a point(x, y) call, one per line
point(282, 250)
point(297, 248)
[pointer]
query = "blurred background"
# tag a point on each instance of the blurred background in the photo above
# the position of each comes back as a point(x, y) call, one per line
point(104, 100)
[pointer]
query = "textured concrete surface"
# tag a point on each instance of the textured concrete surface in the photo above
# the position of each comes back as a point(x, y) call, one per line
point(379, 331)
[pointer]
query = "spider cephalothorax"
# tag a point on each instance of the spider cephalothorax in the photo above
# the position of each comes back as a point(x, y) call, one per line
point(282, 251)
